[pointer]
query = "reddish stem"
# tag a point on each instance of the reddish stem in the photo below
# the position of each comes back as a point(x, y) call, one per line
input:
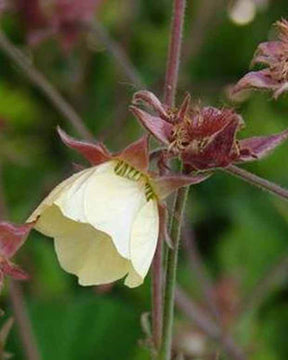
point(23, 322)
point(174, 52)
point(171, 81)
point(257, 181)
point(157, 295)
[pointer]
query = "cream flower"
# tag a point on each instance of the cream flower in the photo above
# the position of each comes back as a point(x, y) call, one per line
point(105, 220)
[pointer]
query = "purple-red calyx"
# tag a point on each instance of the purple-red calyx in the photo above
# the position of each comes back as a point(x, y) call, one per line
point(273, 55)
point(203, 137)
point(136, 155)
point(12, 237)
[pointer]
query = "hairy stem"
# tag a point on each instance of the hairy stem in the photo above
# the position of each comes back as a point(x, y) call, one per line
point(157, 295)
point(257, 181)
point(44, 85)
point(174, 52)
point(23, 322)
point(172, 260)
point(171, 80)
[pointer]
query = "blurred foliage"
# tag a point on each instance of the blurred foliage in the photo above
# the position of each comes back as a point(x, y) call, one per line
point(240, 230)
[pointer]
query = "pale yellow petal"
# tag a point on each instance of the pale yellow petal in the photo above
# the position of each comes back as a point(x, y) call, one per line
point(112, 203)
point(144, 237)
point(133, 279)
point(57, 191)
point(99, 197)
point(84, 251)
point(99, 220)
point(72, 200)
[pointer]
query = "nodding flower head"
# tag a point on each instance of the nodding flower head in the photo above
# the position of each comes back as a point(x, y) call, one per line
point(274, 56)
point(106, 219)
point(203, 137)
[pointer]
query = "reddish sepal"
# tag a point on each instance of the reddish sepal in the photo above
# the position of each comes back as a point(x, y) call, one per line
point(148, 98)
point(166, 185)
point(155, 125)
point(136, 154)
point(10, 269)
point(258, 147)
point(256, 80)
point(96, 153)
point(12, 237)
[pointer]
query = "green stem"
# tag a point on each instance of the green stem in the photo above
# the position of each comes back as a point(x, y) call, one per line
point(157, 295)
point(172, 260)
point(171, 80)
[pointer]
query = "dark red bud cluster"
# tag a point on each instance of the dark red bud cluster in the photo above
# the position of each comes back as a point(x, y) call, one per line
point(203, 137)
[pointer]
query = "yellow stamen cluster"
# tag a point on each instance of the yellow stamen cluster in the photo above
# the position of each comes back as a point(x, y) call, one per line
point(180, 136)
point(127, 171)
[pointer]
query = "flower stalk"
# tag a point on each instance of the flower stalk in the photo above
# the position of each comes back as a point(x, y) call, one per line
point(23, 322)
point(157, 295)
point(172, 261)
point(174, 52)
point(181, 195)
point(257, 181)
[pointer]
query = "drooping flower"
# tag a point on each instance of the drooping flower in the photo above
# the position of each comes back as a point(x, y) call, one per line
point(12, 237)
point(204, 138)
point(274, 56)
point(106, 219)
